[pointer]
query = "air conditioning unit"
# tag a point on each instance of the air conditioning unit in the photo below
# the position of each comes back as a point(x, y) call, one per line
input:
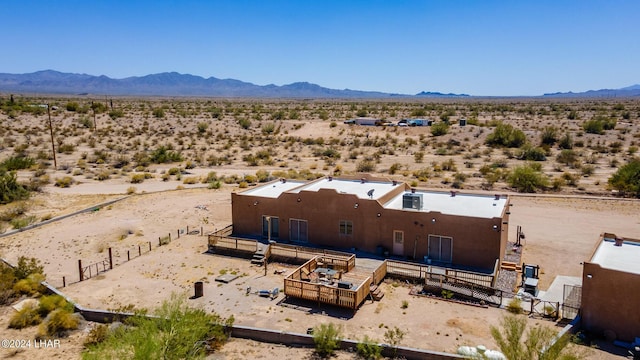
point(412, 201)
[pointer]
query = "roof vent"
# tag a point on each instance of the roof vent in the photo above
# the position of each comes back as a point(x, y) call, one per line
point(497, 197)
point(618, 241)
point(284, 180)
point(330, 178)
point(453, 193)
point(395, 182)
point(413, 190)
point(363, 180)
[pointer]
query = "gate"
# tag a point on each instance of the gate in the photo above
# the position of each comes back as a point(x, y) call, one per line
point(572, 295)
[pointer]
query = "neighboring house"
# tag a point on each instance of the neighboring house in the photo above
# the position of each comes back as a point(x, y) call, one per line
point(611, 288)
point(377, 216)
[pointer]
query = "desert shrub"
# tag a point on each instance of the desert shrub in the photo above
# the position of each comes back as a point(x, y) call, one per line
point(527, 178)
point(268, 128)
point(66, 148)
point(369, 349)
point(58, 322)
point(17, 163)
point(131, 190)
point(567, 157)
point(31, 285)
point(439, 128)
point(202, 127)
point(263, 176)
point(10, 189)
point(49, 303)
point(158, 112)
point(184, 333)
point(394, 337)
point(530, 153)
point(418, 157)
point(27, 266)
point(25, 317)
point(244, 123)
point(97, 334)
point(598, 125)
point(394, 168)
point(137, 178)
point(627, 179)
point(506, 135)
point(549, 135)
point(190, 180)
point(515, 306)
point(326, 338)
point(116, 113)
point(64, 182)
point(163, 155)
point(214, 185)
point(21, 222)
point(365, 166)
point(103, 175)
point(566, 142)
point(72, 106)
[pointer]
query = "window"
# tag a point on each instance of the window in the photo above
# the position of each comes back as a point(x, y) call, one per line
point(346, 227)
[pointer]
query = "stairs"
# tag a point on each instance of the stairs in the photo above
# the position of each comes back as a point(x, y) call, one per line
point(510, 266)
point(258, 256)
point(376, 293)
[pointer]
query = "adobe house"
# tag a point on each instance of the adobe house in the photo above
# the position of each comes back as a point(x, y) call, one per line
point(611, 288)
point(377, 216)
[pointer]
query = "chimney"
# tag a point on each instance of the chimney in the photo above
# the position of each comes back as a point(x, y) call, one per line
point(413, 190)
point(618, 241)
point(453, 193)
point(497, 197)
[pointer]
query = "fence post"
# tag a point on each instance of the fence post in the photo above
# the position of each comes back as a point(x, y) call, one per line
point(149, 245)
point(159, 241)
point(80, 270)
point(169, 236)
point(110, 260)
point(128, 256)
point(201, 231)
point(64, 282)
point(139, 251)
point(187, 229)
point(178, 231)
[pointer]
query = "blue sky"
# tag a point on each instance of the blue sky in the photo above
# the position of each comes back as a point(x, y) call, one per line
point(474, 47)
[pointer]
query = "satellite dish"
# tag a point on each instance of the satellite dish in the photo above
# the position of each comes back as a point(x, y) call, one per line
point(370, 193)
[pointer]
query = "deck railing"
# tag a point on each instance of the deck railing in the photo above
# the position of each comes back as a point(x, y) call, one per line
point(422, 271)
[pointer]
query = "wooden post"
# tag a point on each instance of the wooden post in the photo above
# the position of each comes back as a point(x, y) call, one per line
point(139, 251)
point(201, 231)
point(149, 245)
point(110, 260)
point(187, 229)
point(53, 145)
point(169, 236)
point(64, 282)
point(80, 270)
point(178, 233)
point(159, 241)
point(128, 256)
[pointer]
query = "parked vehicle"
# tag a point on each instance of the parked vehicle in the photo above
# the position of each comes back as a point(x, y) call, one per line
point(419, 122)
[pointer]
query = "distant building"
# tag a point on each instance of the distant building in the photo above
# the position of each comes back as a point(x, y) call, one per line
point(378, 216)
point(611, 288)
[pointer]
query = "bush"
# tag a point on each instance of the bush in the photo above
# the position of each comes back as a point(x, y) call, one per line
point(190, 180)
point(50, 303)
point(527, 178)
point(58, 322)
point(515, 306)
point(202, 127)
point(368, 349)
point(439, 128)
point(507, 136)
point(97, 334)
point(17, 163)
point(27, 316)
point(530, 153)
point(31, 285)
point(10, 189)
point(164, 155)
point(627, 179)
point(549, 135)
point(326, 338)
point(137, 178)
point(19, 223)
point(365, 166)
point(64, 182)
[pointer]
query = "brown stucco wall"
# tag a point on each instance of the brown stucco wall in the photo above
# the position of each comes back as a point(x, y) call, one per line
point(475, 242)
point(610, 300)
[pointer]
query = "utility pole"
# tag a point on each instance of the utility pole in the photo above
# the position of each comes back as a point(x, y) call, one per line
point(95, 123)
point(53, 144)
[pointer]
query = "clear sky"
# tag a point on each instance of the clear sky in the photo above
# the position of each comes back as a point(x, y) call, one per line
point(474, 47)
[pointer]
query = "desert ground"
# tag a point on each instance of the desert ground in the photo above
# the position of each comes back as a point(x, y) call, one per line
point(173, 164)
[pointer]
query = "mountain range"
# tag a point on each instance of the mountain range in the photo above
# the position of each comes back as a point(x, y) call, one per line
point(176, 84)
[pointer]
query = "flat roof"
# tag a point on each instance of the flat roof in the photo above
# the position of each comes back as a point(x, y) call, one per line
point(274, 189)
point(621, 258)
point(473, 205)
point(354, 187)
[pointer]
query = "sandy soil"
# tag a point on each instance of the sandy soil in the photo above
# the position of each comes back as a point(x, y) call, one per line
point(567, 238)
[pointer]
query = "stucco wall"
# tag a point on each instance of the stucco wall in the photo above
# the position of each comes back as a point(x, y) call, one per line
point(610, 301)
point(476, 242)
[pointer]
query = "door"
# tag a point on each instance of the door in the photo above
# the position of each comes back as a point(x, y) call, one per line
point(440, 248)
point(398, 242)
point(298, 230)
point(270, 227)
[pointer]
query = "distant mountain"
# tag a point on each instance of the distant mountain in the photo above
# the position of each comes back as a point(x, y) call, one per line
point(168, 84)
point(629, 91)
point(439, 94)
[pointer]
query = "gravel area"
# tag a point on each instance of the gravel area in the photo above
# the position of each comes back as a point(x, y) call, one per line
point(508, 280)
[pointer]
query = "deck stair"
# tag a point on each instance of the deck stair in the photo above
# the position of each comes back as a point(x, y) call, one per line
point(258, 256)
point(510, 266)
point(465, 288)
point(376, 293)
